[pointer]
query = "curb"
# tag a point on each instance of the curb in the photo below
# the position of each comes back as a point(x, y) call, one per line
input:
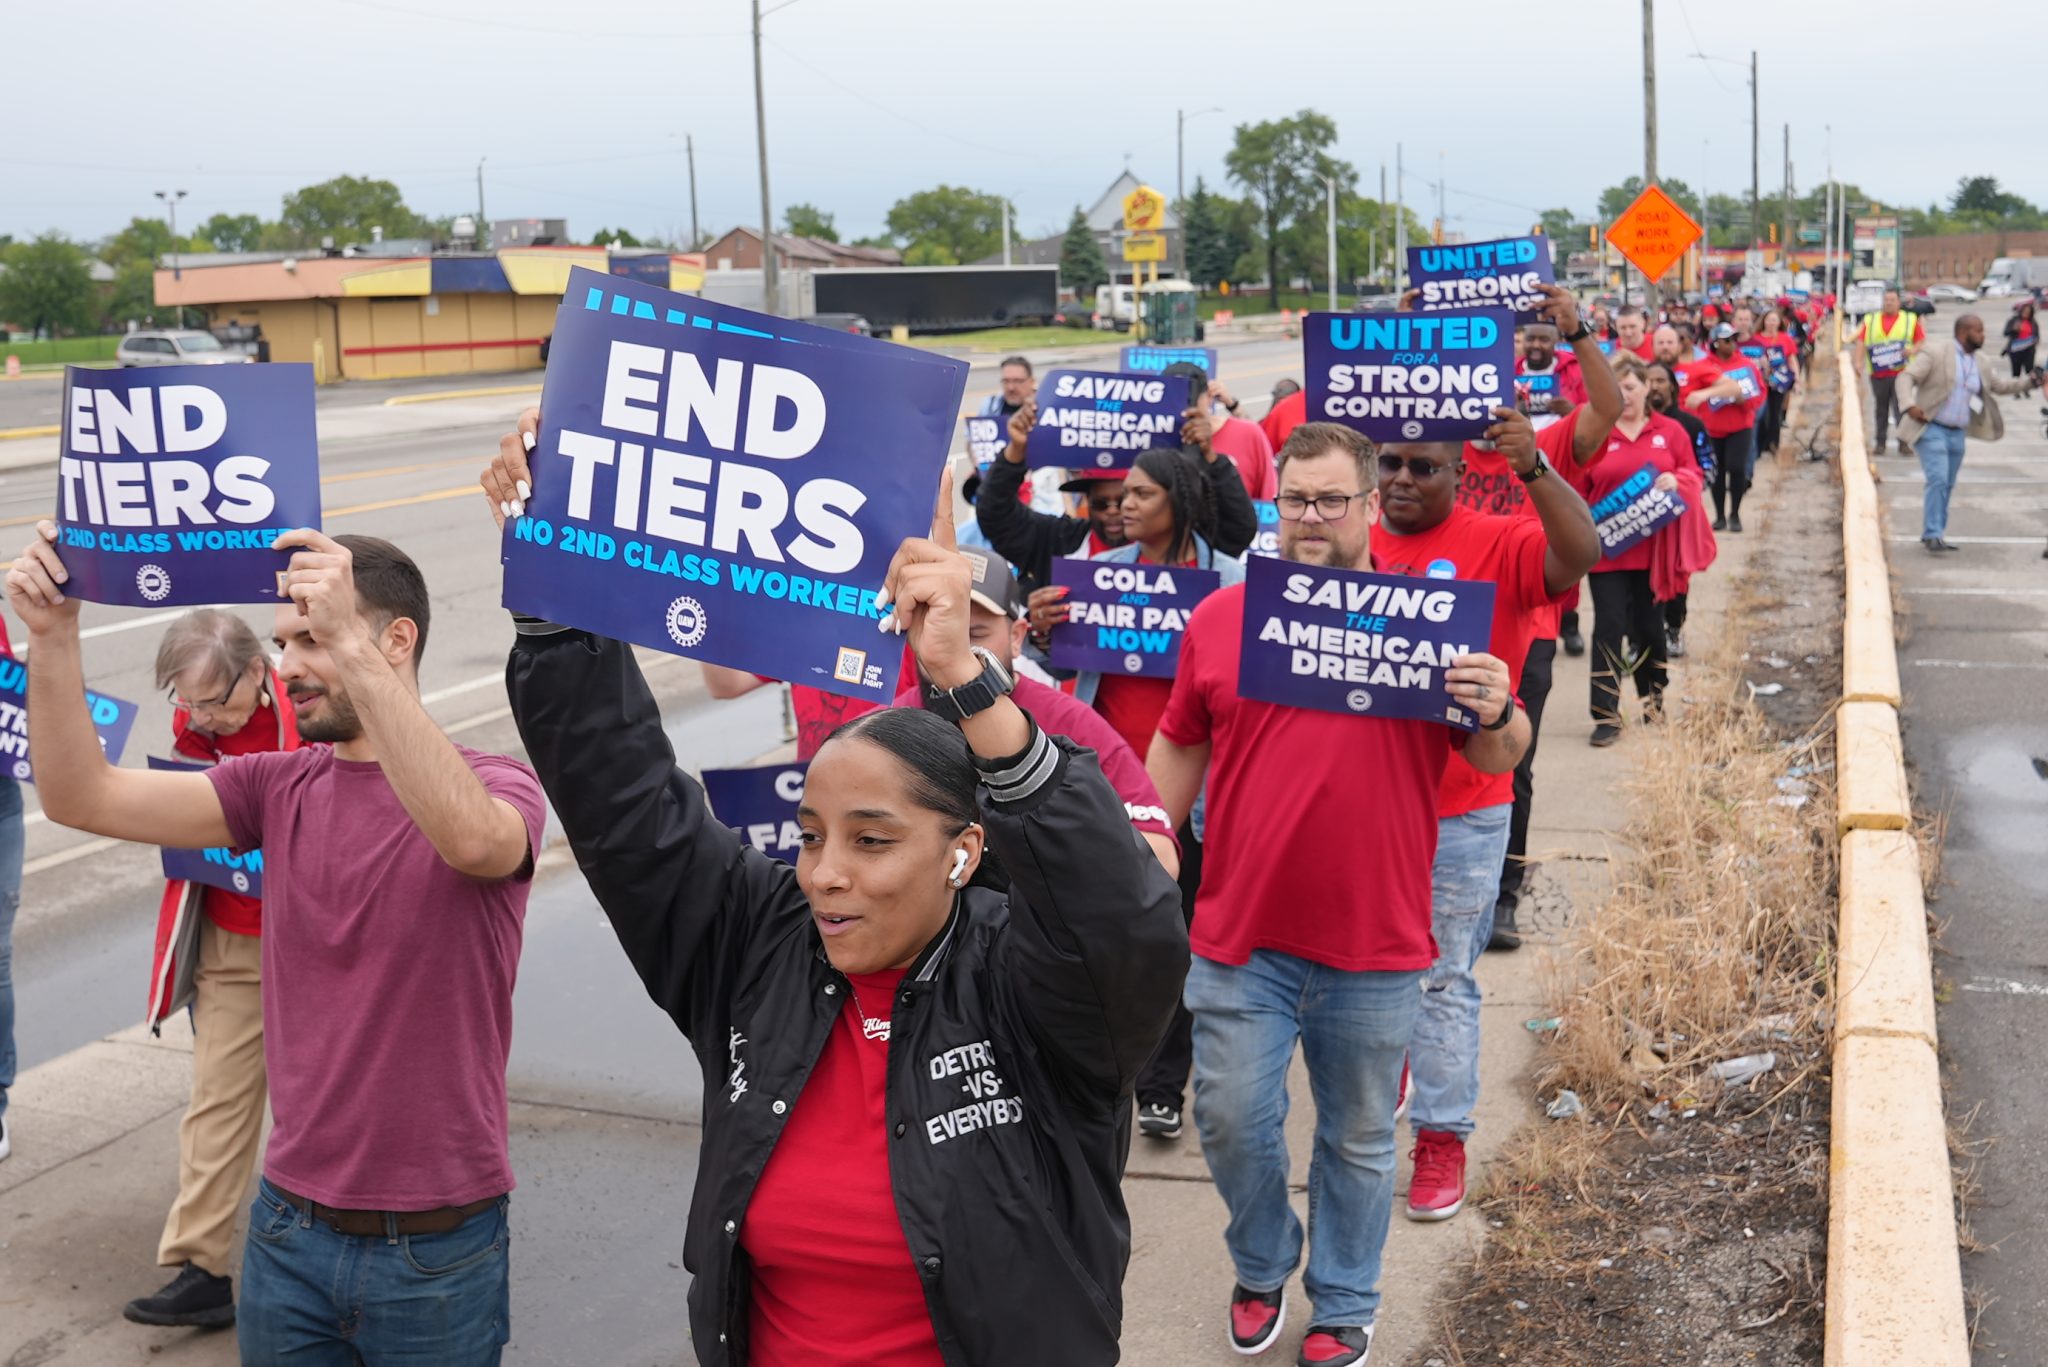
point(437, 395)
point(1895, 1278)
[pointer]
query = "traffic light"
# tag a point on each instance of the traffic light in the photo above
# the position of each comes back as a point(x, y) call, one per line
point(1436, 231)
point(1592, 236)
point(1774, 234)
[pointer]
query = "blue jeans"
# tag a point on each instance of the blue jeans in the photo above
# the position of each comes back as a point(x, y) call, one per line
point(10, 902)
point(1443, 1062)
point(1353, 1029)
point(315, 1298)
point(1941, 459)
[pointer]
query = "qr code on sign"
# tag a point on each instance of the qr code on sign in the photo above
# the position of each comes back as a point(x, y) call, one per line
point(851, 666)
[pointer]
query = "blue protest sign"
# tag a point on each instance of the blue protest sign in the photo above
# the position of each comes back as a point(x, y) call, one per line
point(111, 718)
point(1410, 376)
point(985, 440)
point(727, 486)
point(1779, 363)
point(760, 805)
point(1368, 644)
point(1503, 273)
point(1634, 512)
point(1094, 420)
point(235, 870)
point(173, 481)
point(1533, 394)
point(1151, 360)
point(1267, 540)
point(1126, 618)
point(1745, 377)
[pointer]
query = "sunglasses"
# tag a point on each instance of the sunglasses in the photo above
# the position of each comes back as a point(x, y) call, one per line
point(1420, 467)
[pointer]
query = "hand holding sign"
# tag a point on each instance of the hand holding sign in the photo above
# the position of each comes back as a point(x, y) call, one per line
point(508, 480)
point(928, 594)
point(1560, 308)
point(33, 585)
point(1482, 683)
point(1514, 436)
point(322, 581)
point(1021, 423)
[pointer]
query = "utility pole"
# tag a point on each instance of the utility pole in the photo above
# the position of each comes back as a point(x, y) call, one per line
point(483, 225)
point(1649, 133)
point(690, 147)
point(1006, 232)
point(1756, 222)
point(1330, 218)
point(1379, 221)
point(1400, 225)
point(170, 199)
point(1785, 238)
point(770, 293)
point(1180, 174)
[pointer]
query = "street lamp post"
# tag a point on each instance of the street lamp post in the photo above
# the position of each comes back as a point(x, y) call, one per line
point(1180, 172)
point(1330, 220)
point(170, 199)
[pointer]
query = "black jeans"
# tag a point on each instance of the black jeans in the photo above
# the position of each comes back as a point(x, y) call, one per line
point(1770, 424)
point(1734, 455)
point(1884, 394)
point(2022, 361)
point(1164, 1078)
point(1535, 687)
point(1623, 609)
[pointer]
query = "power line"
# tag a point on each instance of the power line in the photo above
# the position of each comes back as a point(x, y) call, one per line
point(481, 21)
point(1699, 49)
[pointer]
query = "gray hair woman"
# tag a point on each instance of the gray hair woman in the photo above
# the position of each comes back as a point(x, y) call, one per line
point(225, 700)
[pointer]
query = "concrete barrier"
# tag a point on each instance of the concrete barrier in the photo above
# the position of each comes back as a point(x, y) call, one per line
point(1895, 1285)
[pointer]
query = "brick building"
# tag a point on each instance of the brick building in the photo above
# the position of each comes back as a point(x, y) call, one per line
point(1962, 258)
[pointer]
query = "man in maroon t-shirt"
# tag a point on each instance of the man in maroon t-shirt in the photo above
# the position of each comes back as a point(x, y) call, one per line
point(1313, 923)
point(396, 874)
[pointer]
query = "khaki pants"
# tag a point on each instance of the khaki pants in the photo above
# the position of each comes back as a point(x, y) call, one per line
point(218, 1138)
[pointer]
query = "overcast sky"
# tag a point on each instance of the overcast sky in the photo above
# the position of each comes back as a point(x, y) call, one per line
point(581, 109)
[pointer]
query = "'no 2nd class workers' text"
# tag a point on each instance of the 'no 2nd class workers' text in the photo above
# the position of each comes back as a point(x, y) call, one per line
point(1417, 374)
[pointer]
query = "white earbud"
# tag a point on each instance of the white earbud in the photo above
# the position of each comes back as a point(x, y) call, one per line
point(959, 867)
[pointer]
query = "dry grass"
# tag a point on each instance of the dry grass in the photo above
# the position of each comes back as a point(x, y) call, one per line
point(1719, 929)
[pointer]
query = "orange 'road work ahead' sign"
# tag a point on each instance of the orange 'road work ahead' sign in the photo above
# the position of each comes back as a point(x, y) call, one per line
point(1653, 232)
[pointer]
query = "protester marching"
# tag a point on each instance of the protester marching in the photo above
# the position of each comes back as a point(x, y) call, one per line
point(1063, 856)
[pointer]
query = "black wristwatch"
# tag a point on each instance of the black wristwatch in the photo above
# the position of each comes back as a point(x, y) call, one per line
point(1536, 472)
point(1507, 714)
point(1572, 338)
point(976, 695)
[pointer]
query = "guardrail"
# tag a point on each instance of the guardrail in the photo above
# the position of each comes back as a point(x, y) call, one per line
point(1895, 1282)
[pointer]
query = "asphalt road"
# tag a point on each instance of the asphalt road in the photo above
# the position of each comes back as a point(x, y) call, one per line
point(1974, 668)
point(604, 1091)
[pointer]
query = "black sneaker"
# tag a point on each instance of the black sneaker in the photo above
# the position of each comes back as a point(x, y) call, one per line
point(1604, 735)
point(1735, 522)
point(1156, 1121)
point(1505, 934)
point(1674, 645)
point(1334, 1345)
point(1720, 524)
point(1574, 644)
point(1256, 1318)
point(194, 1298)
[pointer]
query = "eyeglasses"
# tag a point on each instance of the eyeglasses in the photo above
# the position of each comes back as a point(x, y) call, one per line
point(213, 706)
point(1329, 507)
point(1421, 467)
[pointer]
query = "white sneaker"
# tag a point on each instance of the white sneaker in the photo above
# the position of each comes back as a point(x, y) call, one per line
point(6, 1147)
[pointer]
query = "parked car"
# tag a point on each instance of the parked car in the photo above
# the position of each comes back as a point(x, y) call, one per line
point(1917, 303)
point(176, 348)
point(1376, 303)
point(840, 322)
point(1074, 313)
point(1951, 294)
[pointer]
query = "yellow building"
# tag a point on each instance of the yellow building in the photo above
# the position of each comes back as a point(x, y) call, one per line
point(375, 317)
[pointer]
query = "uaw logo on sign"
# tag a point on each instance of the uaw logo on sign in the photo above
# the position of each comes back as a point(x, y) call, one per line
point(687, 622)
point(237, 871)
point(153, 582)
point(112, 719)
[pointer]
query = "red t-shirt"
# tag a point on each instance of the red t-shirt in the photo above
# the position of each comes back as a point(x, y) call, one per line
point(232, 912)
point(1283, 417)
point(1059, 714)
point(818, 713)
point(1245, 443)
point(1321, 828)
point(1509, 551)
point(387, 982)
point(1645, 349)
point(1490, 488)
point(833, 1279)
point(1132, 705)
point(1733, 415)
point(1662, 445)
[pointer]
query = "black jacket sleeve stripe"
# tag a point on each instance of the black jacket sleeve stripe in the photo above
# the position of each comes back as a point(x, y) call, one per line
point(1097, 946)
point(667, 873)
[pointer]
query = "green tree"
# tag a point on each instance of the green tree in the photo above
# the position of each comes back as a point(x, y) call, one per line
point(1982, 195)
point(1281, 164)
point(1616, 198)
point(1563, 226)
point(47, 287)
point(808, 220)
point(144, 239)
point(131, 298)
point(1081, 265)
point(615, 237)
point(929, 253)
point(967, 224)
point(1204, 241)
point(232, 232)
point(346, 208)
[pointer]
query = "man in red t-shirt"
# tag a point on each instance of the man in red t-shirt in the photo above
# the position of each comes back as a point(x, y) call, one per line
point(1631, 332)
point(1532, 561)
point(1243, 440)
point(1313, 924)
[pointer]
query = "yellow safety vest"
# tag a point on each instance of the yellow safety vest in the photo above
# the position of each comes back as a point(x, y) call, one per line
point(1887, 346)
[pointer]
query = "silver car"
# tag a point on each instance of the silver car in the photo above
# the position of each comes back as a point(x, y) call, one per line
point(176, 348)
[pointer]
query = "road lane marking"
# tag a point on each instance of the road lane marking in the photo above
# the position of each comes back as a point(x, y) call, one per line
point(471, 490)
point(384, 472)
point(1980, 664)
point(1978, 593)
point(2005, 987)
point(1974, 540)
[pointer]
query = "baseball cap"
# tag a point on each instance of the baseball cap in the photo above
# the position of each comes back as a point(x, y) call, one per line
point(1721, 332)
point(1079, 484)
point(995, 588)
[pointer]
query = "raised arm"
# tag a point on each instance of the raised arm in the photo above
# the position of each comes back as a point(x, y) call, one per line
point(78, 787)
point(1602, 408)
point(1022, 535)
point(1572, 544)
point(475, 833)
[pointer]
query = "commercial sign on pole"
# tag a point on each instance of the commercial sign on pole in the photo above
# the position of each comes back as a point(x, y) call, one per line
point(1653, 232)
point(1875, 245)
point(1144, 210)
point(1144, 246)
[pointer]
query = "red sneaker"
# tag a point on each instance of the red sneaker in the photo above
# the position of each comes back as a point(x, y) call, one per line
point(1401, 1097)
point(1437, 1191)
point(1336, 1346)
point(1256, 1318)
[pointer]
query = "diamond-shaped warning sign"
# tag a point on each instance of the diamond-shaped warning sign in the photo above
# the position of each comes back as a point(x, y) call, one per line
point(1653, 232)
